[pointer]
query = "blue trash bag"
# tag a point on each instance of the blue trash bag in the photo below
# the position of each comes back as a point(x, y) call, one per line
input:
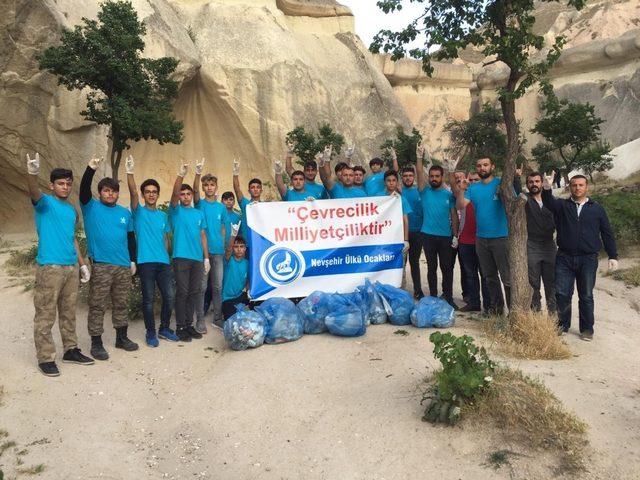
point(244, 329)
point(372, 306)
point(432, 312)
point(399, 303)
point(284, 321)
point(315, 308)
point(345, 318)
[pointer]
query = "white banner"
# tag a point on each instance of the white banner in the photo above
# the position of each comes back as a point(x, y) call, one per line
point(328, 245)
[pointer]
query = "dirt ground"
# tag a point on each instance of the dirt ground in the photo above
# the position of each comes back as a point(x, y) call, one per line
point(319, 408)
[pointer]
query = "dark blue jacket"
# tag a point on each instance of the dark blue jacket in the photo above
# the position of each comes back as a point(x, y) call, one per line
point(580, 236)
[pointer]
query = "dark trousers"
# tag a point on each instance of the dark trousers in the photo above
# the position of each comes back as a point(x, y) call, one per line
point(229, 306)
point(439, 248)
point(493, 255)
point(415, 249)
point(160, 274)
point(581, 270)
point(542, 265)
point(470, 268)
point(188, 274)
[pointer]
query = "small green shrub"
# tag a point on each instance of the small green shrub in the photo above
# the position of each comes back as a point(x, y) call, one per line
point(23, 258)
point(623, 209)
point(630, 276)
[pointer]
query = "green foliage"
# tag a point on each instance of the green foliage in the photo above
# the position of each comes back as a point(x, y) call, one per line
point(404, 145)
point(19, 259)
point(630, 276)
point(307, 144)
point(131, 94)
point(623, 209)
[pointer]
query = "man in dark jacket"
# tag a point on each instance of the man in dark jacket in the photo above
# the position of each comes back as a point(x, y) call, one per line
point(583, 227)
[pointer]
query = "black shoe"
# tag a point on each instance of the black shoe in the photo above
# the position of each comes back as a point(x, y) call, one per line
point(123, 342)
point(73, 355)
point(418, 295)
point(97, 349)
point(183, 335)
point(470, 308)
point(193, 332)
point(50, 369)
point(450, 302)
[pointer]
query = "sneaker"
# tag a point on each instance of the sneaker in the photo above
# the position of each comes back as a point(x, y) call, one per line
point(183, 335)
point(586, 336)
point(50, 369)
point(152, 339)
point(167, 334)
point(201, 326)
point(470, 308)
point(73, 355)
point(193, 332)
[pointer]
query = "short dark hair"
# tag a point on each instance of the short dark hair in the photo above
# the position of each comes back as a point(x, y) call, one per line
point(346, 167)
point(255, 180)
point(186, 186)
point(209, 178)
point(376, 161)
point(147, 182)
point(390, 173)
point(297, 173)
point(534, 174)
point(578, 177)
point(226, 195)
point(108, 182)
point(359, 168)
point(488, 158)
point(339, 166)
point(60, 174)
point(438, 168)
point(310, 164)
point(408, 169)
point(240, 240)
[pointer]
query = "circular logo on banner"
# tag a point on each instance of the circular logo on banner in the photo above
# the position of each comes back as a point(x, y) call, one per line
point(281, 266)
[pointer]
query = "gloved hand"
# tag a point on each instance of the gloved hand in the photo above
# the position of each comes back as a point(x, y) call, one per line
point(290, 146)
point(85, 274)
point(420, 151)
point(207, 266)
point(134, 268)
point(94, 163)
point(547, 180)
point(129, 164)
point(392, 152)
point(405, 249)
point(454, 242)
point(184, 168)
point(277, 167)
point(33, 164)
point(320, 160)
point(349, 152)
point(236, 168)
point(326, 155)
point(199, 166)
point(613, 265)
point(310, 199)
point(235, 228)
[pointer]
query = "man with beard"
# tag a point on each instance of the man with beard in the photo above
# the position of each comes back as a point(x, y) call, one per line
point(310, 171)
point(439, 227)
point(412, 196)
point(491, 231)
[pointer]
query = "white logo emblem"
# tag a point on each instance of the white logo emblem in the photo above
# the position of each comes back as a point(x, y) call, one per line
point(123, 220)
point(281, 265)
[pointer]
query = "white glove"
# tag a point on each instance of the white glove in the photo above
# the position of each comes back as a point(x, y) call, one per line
point(394, 155)
point(290, 146)
point(207, 266)
point(199, 166)
point(236, 167)
point(326, 155)
point(320, 160)
point(33, 164)
point(420, 151)
point(547, 180)
point(405, 249)
point(128, 165)
point(85, 274)
point(184, 168)
point(613, 265)
point(134, 268)
point(349, 152)
point(454, 242)
point(94, 163)
point(235, 228)
point(277, 167)
point(310, 199)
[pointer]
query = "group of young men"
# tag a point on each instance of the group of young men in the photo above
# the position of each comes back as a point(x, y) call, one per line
point(197, 254)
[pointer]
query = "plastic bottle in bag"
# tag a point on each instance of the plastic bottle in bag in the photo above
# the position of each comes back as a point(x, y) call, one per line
point(284, 322)
point(244, 329)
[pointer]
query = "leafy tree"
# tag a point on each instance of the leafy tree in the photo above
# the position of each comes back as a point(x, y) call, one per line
point(571, 133)
point(307, 144)
point(503, 31)
point(404, 145)
point(130, 94)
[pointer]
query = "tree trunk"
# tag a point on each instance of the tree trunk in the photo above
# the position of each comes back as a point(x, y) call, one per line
point(115, 157)
point(514, 206)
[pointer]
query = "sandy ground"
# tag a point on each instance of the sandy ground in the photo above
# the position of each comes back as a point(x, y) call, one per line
point(319, 408)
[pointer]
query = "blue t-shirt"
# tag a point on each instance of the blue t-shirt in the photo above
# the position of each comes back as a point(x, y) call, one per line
point(374, 185)
point(231, 217)
point(295, 196)
point(235, 278)
point(187, 223)
point(55, 223)
point(151, 226)
point(244, 228)
point(340, 191)
point(106, 228)
point(412, 196)
point(214, 215)
point(315, 190)
point(436, 211)
point(491, 219)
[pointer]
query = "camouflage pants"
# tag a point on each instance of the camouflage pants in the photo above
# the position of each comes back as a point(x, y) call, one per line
point(56, 290)
point(108, 282)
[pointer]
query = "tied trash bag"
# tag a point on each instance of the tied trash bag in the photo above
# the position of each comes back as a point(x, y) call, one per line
point(432, 312)
point(345, 317)
point(372, 305)
point(284, 322)
point(399, 303)
point(244, 329)
point(315, 308)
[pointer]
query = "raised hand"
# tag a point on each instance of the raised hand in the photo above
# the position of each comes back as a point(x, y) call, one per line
point(199, 166)
point(326, 155)
point(129, 165)
point(236, 168)
point(518, 172)
point(94, 163)
point(547, 180)
point(235, 228)
point(320, 160)
point(277, 167)
point(349, 152)
point(394, 155)
point(184, 168)
point(420, 151)
point(85, 274)
point(33, 164)
point(291, 145)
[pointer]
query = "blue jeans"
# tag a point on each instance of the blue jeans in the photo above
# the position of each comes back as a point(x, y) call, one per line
point(152, 274)
point(470, 268)
point(581, 270)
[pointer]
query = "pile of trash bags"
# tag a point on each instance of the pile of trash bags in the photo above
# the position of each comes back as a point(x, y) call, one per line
point(279, 320)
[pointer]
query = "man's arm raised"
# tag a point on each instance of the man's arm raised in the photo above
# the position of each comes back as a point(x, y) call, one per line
point(196, 180)
point(177, 185)
point(277, 170)
point(236, 181)
point(422, 180)
point(129, 166)
point(33, 170)
point(288, 159)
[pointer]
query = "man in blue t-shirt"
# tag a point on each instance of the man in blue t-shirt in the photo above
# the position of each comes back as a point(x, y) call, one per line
point(255, 192)
point(56, 289)
point(214, 215)
point(491, 232)
point(439, 227)
point(310, 170)
point(152, 241)
point(190, 255)
point(236, 275)
point(297, 192)
point(232, 217)
point(111, 247)
point(342, 186)
point(391, 188)
point(412, 196)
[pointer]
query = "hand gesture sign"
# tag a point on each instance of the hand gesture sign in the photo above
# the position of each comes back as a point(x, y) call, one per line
point(236, 167)
point(94, 163)
point(129, 164)
point(199, 166)
point(184, 168)
point(33, 164)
